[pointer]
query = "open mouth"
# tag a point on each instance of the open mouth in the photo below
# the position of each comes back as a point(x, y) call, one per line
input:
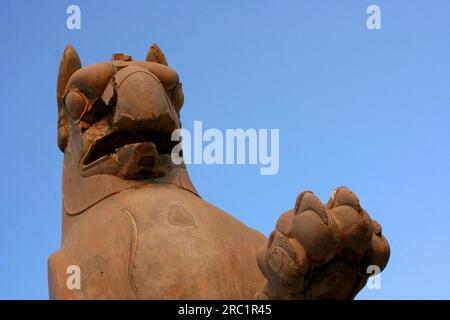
point(109, 144)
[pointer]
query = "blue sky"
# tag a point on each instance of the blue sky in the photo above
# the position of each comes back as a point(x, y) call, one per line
point(369, 109)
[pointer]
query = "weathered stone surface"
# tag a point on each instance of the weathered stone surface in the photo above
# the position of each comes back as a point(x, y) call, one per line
point(135, 225)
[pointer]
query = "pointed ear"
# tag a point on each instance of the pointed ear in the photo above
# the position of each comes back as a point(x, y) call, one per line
point(155, 54)
point(70, 62)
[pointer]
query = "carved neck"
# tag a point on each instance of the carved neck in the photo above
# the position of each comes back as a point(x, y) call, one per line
point(81, 193)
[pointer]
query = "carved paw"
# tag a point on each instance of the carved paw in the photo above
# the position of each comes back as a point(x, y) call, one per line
point(322, 251)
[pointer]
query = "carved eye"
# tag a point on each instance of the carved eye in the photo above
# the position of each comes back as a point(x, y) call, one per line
point(76, 103)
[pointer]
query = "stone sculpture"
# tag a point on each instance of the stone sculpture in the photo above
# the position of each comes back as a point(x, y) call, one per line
point(137, 228)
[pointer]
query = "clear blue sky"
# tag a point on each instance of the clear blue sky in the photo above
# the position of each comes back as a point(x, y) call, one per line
point(366, 109)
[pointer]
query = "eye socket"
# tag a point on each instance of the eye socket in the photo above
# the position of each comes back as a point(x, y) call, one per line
point(76, 104)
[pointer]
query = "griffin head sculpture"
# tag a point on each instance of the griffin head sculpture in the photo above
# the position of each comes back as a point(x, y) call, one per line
point(137, 228)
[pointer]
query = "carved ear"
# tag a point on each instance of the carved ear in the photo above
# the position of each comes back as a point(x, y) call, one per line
point(70, 62)
point(155, 54)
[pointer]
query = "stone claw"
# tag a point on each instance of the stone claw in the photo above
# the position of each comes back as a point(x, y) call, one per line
point(308, 201)
point(342, 196)
point(322, 252)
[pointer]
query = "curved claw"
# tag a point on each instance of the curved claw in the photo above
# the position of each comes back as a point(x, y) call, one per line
point(342, 196)
point(308, 201)
point(353, 223)
point(380, 251)
point(284, 263)
point(313, 228)
point(284, 222)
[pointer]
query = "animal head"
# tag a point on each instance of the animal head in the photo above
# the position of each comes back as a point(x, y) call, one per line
point(117, 117)
point(115, 121)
